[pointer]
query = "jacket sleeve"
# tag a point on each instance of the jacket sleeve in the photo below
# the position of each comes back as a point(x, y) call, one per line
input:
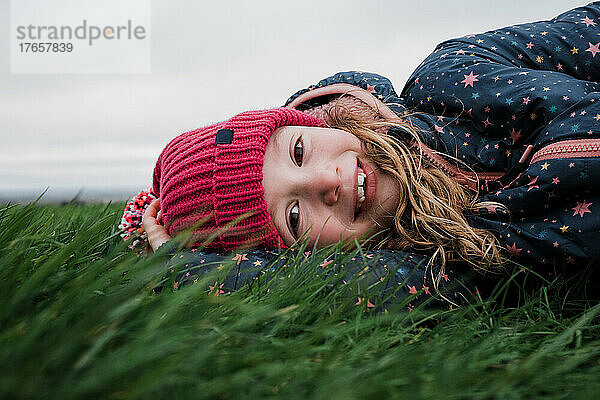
point(375, 279)
point(505, 85)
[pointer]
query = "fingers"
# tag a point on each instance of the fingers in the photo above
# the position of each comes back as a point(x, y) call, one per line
point(149, 217)
point(151, 221)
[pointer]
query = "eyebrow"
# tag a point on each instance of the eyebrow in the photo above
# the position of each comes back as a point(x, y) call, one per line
point(275, 138)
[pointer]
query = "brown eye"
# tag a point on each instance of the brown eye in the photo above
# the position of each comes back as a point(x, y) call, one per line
point(294, 219)
point(298, 152)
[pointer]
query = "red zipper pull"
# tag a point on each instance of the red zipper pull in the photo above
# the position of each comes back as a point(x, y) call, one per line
point(525, 154)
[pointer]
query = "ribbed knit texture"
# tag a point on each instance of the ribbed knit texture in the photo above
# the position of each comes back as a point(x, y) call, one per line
point(200, 182)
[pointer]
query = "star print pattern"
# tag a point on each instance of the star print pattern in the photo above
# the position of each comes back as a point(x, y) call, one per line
point(397, 275)
point(525, 77)
point(551, 201)
point(485, 99)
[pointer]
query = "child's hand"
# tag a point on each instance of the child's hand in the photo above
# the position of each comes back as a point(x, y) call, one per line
point(152, 223)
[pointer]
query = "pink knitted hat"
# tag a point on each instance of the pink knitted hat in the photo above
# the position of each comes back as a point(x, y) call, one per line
point(214, 174)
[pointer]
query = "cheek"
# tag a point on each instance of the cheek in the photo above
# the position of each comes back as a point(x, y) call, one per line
point(331, 233)
point(339, 141)
point(390, 192)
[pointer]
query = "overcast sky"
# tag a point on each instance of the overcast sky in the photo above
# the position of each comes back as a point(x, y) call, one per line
point(212, 60)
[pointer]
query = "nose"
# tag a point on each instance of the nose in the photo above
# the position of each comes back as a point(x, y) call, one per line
point(327, 182)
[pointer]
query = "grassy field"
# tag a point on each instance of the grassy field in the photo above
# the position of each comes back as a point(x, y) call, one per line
point(79, 319)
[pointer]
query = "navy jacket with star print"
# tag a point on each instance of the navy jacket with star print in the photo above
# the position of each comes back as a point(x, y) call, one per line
point(519, 107)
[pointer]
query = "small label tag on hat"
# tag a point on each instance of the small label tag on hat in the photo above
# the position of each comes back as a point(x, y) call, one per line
point(224, 136)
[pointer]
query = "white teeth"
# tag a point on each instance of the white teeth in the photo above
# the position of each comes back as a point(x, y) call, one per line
point(361, 187)
point(361, 179)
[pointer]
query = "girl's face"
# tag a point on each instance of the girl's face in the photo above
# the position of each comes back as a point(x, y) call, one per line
point(313, 178)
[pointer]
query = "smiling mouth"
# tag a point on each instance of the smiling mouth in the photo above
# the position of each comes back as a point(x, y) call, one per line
point(366, 188)
point(361, 180)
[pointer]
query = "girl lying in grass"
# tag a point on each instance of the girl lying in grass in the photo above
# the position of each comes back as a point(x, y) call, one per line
point(488, 153)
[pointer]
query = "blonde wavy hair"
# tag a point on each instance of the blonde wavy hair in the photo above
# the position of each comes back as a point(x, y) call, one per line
point(431, 212)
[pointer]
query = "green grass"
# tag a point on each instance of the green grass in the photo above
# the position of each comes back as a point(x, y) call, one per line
point(79, 319)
